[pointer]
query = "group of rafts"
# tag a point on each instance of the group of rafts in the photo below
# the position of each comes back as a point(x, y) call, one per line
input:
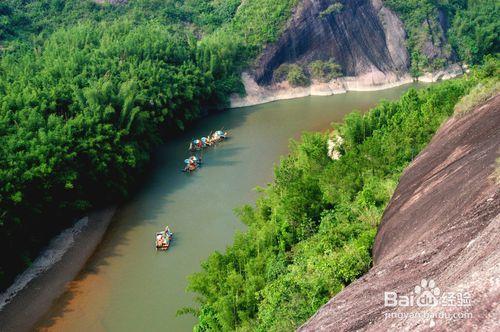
point(163, 238)
point(193, 163)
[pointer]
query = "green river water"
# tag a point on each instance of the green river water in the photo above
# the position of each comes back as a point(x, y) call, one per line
point(127, 285)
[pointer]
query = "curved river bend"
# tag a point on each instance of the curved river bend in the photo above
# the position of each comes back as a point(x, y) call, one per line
point(127, 285)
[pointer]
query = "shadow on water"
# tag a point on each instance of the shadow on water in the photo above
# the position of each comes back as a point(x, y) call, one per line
point(168, 158)
point(126, 285)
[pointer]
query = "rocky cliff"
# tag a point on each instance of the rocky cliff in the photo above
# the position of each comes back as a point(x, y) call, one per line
point(442, 224)
point(364, 37)
point(361, 35)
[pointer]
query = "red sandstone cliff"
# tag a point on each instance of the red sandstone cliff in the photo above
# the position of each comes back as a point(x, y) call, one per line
point(442, 224)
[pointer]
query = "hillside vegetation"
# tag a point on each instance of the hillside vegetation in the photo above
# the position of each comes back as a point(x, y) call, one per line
point(311, 232)
point(470, 25)
point(88, 90)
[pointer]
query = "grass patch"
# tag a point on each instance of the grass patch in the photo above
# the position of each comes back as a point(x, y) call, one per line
point(478, 95)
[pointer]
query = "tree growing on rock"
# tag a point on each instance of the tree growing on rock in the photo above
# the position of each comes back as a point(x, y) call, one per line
point(324, 71)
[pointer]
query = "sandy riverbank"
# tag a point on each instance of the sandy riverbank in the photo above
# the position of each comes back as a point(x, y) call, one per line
point(371, 81)
point(33, 291)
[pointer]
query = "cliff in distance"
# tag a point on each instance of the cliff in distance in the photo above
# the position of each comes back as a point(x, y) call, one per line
point(367, 40)
point(361, 35)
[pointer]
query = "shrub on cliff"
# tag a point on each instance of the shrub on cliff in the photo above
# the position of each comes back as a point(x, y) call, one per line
point(488, 86)
point(474, 30)
point(280, 74)
point(296, 76)
point(324, 71)
point(334, 8)
point(426, 37)
point(292, 73)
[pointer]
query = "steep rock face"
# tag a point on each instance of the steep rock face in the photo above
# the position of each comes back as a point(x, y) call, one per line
point(436, 45)
point(443, 223)
point(362, 36)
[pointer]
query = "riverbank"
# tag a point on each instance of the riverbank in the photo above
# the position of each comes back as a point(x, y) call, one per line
point(126, 285)
point(334, 207)
point(372, 81)
point(34, 290)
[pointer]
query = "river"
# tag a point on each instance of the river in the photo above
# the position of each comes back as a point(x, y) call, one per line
point(127, 285)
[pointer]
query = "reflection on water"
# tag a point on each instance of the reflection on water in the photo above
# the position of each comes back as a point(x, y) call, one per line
point(127, 285)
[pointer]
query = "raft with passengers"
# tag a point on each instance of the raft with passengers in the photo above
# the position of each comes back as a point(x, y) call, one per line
point(163, 239)
point(210, 140)
point(194, 162)
point(191, 164)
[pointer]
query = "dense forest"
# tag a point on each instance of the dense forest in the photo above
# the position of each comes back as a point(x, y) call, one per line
point(311, 232)
point(88, 89)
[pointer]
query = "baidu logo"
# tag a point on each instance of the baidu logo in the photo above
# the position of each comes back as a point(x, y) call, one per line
point(427, 294)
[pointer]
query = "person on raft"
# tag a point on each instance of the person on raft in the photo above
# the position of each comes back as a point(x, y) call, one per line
point(159, 240)
point(197, 144)
point(190, 167)
point(191, 163)
point(205, 141)
point(219, 135)
point(168, 232)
